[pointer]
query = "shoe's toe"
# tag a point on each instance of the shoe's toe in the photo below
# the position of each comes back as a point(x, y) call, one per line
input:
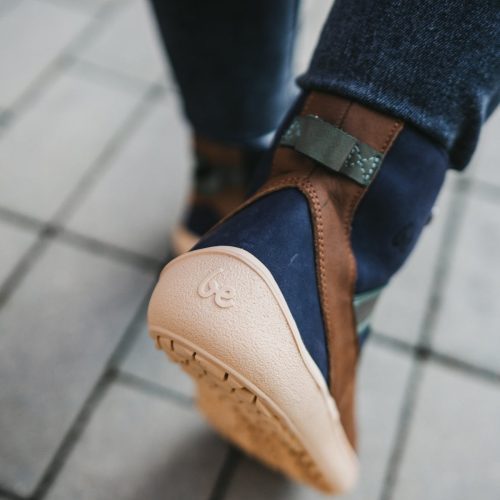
point(220, 314)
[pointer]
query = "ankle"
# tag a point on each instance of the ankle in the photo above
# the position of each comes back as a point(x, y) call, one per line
point(396, 208)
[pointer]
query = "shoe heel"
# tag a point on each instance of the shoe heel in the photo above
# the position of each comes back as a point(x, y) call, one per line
point(219, 313)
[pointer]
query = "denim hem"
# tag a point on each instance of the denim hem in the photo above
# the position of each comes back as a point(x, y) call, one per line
point(381, 100)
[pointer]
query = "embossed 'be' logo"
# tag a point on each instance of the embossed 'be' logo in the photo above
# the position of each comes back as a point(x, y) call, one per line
point(223, 295)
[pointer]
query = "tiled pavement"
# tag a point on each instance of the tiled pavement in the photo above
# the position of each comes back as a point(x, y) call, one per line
point(93, 170)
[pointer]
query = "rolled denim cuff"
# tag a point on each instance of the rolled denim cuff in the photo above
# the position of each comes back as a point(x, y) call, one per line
point(433, 64)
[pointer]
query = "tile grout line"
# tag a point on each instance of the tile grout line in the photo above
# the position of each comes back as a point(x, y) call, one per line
point(51, 230)
point(156, 390)
point(80, 240)
point(226, 473)
point(72, 436)
point(108, 376)
point(428, 354)
point(21, 220)
point(462, 195)
point(90, 68)
point(461, 366)
point(111, 250)
point(50, 233)
point(455, 217)
point(424, 353)
point(9, 495)
point(24, 265)
point(94, 171)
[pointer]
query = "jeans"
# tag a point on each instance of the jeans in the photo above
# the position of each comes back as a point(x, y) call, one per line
point(435, 64)
point(232, 60)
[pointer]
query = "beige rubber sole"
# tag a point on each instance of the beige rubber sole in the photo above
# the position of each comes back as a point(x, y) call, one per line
point(219, 313)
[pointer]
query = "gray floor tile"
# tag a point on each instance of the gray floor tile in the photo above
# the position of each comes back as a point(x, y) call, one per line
point(46, 151)
point(403, 304)
point(140, 447)
point(39, 31)
point(469, 319)
point(382, 384)
point(129, 44)
point(485, 162)
point(15, 242)
point(58, 329)
point(147, 362)
point(139, 198)
point(452, 451)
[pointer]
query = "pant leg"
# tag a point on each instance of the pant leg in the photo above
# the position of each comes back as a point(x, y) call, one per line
point(233, 63)
point(435, 64)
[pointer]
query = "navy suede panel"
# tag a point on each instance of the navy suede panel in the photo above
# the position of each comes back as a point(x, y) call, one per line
point(277, 230)
point(396, 207)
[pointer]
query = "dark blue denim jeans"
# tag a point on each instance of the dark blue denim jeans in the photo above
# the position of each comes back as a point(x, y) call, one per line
point(232, 60)
point(435, 64)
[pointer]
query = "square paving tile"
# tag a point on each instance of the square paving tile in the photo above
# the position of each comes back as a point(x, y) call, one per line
point(139, 198)
point(129, 44)
point(469, 318)
point(58, 328)
point(151, 364)
point(39, 31)
point(452, 451)
point(140, 447)
point(403, 304)
point(382, 383)
point(15, 242)
point(46, 151)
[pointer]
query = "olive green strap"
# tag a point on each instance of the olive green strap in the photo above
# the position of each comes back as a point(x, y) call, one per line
point(333, 148)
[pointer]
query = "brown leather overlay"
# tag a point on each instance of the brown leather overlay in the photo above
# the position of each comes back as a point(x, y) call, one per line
point(217, 153)
point(333, 199)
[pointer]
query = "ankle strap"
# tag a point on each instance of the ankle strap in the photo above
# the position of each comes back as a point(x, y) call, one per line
point(333, 148)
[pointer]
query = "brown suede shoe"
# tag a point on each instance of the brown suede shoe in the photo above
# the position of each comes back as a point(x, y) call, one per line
point(221, 180)
point(269, 331)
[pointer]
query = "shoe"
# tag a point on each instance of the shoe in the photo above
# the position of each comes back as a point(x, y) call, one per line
point(222, 177)
point(268, 312)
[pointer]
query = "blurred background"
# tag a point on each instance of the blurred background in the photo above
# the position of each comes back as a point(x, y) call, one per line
point(94, 168)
